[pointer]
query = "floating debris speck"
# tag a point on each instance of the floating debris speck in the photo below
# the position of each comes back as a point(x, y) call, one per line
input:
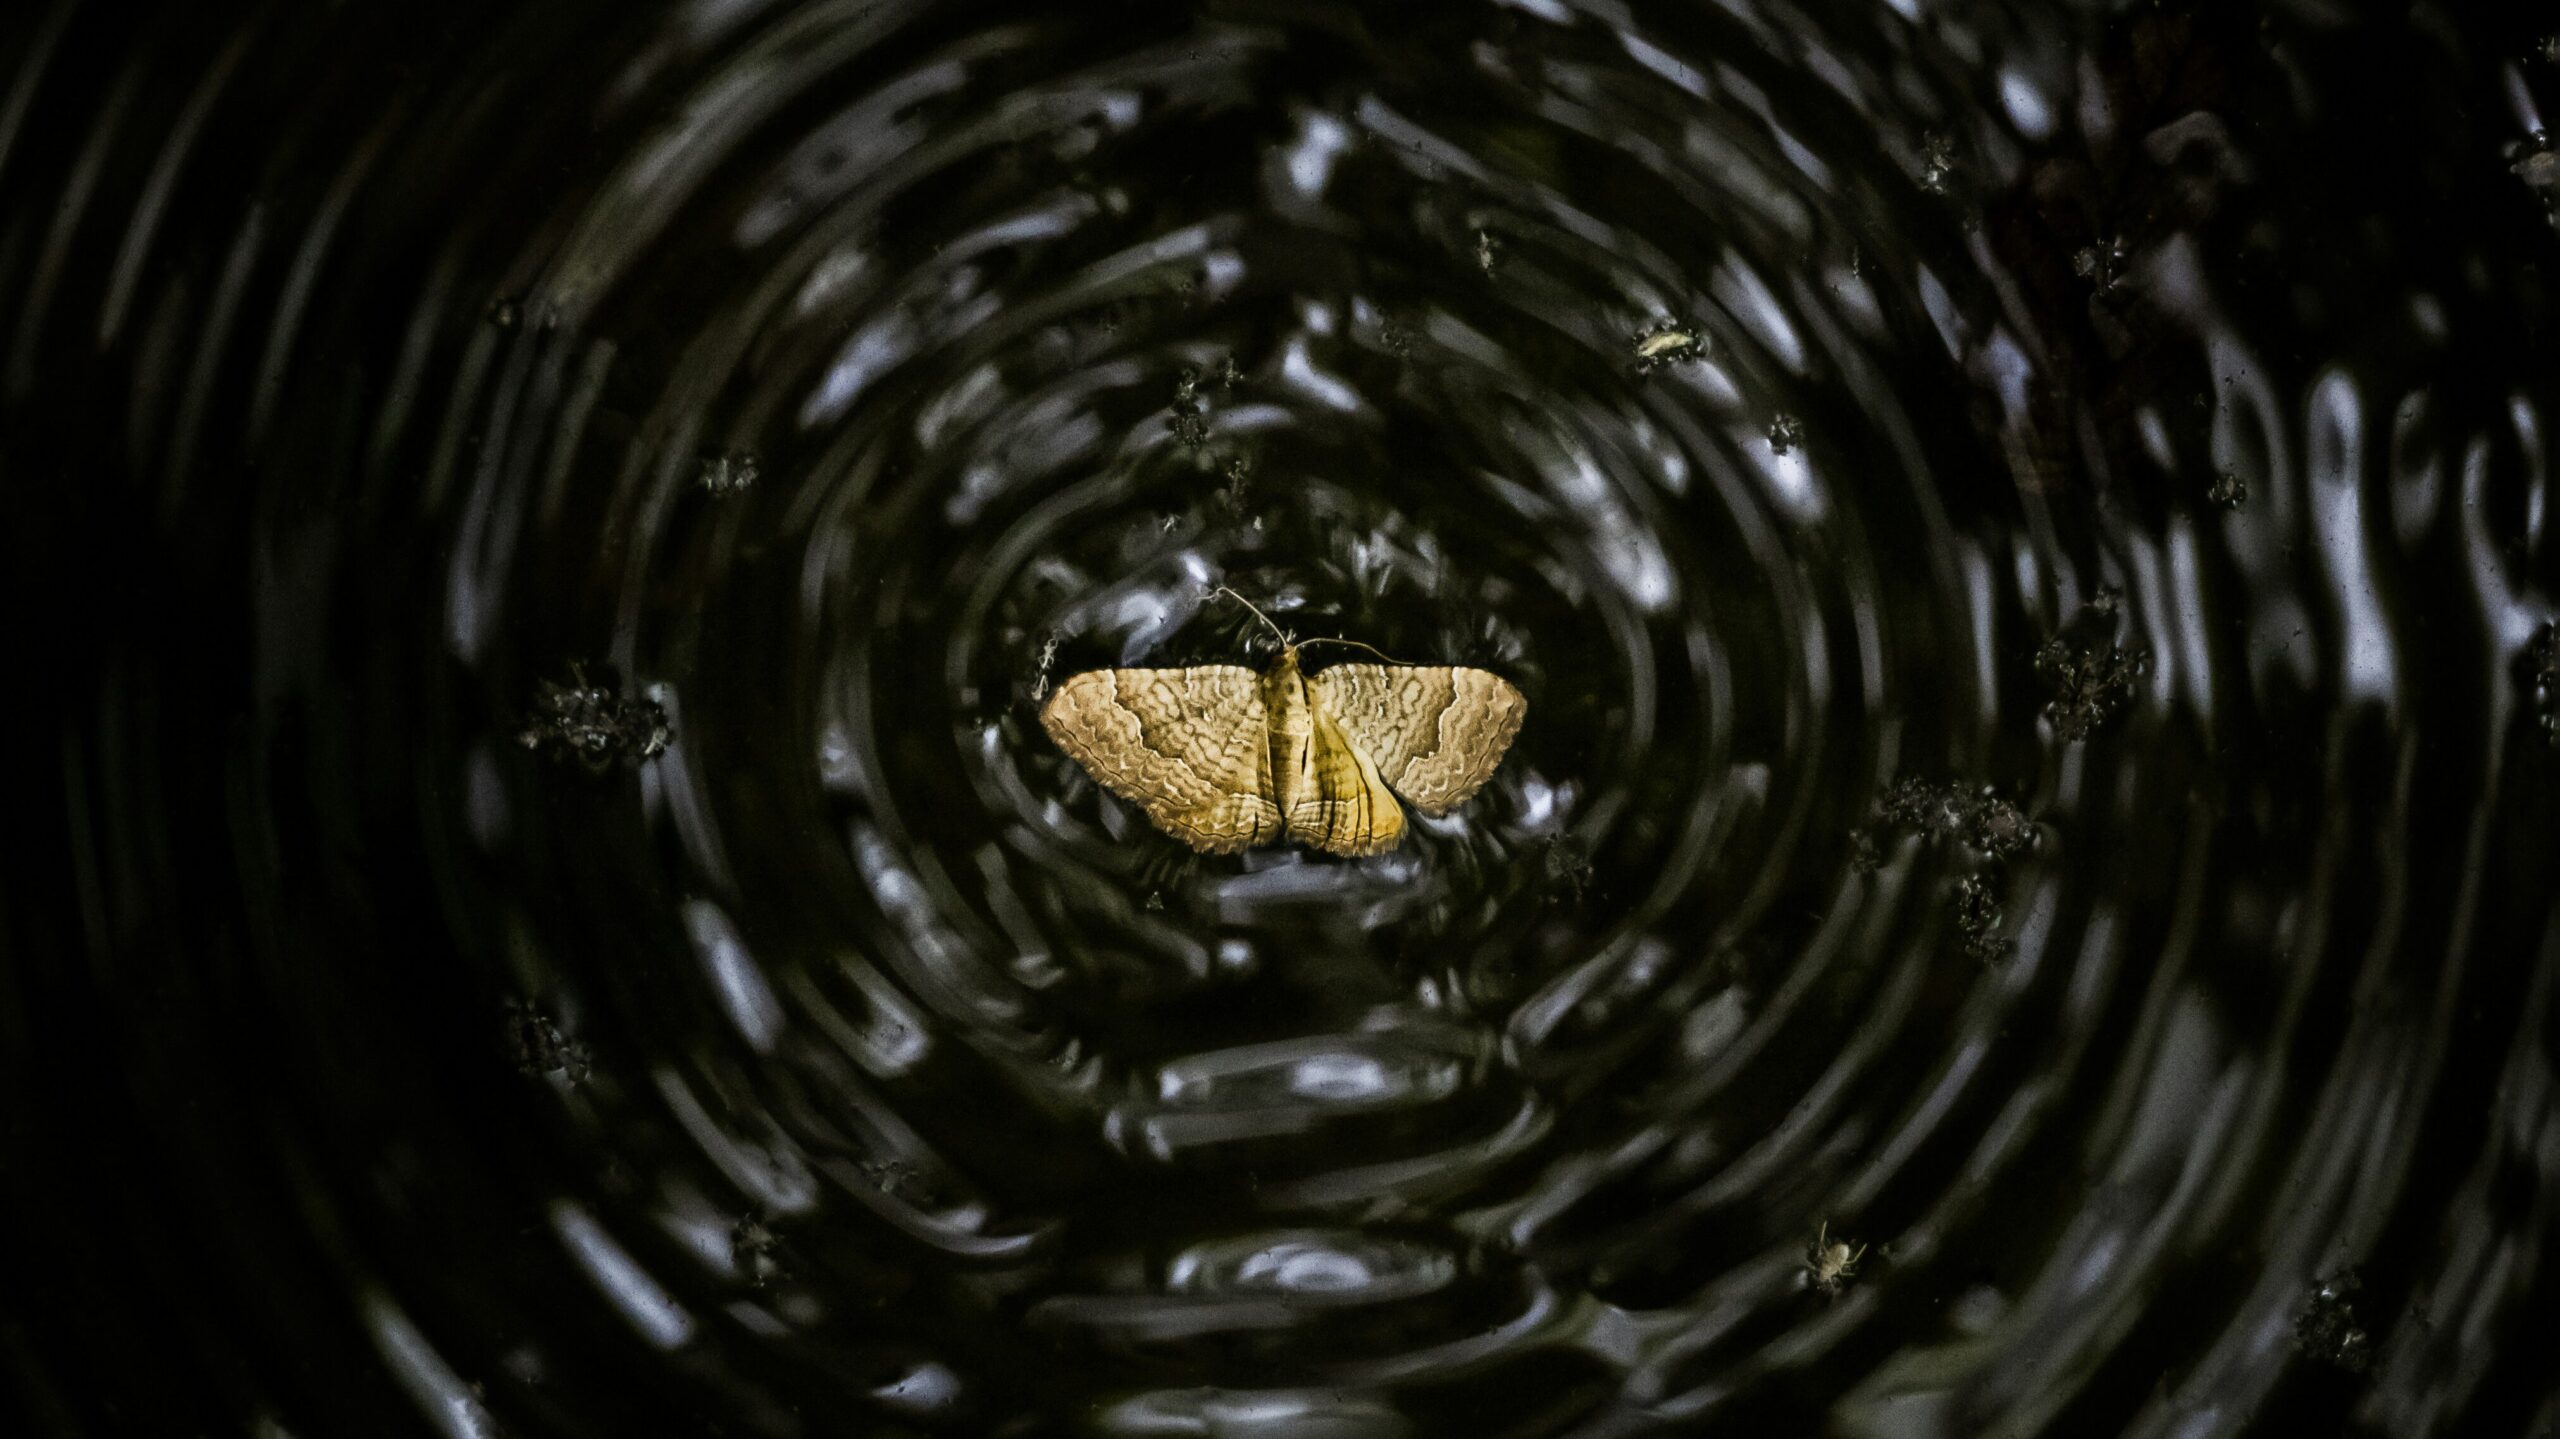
point(728, 474)
point(1188, 423)
point(1667, 344)
point(2546, 680)
point(1785, 433)
point(2090, 684)
point(505, 314)
point(1048, 660)
point(2537, 162)
point(1980, 818)
point(1937, 162)
point(1488, 251)
point(2101, 264)
point(538, 1047)
point(754, 1250)
point(2327, 1327)
point(1992, 831)
point(1978, 916)
point(2228, 490)
point(594, 726)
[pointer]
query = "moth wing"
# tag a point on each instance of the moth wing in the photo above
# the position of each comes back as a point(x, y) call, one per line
point(1190, 747)
point(1435, 733)
point(1341, 805)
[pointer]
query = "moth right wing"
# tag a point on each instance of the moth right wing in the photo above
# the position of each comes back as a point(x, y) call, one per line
point(1190, 747)
point(1435, 732)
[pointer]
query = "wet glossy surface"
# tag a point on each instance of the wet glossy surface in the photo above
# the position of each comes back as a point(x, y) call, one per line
point(545, 529)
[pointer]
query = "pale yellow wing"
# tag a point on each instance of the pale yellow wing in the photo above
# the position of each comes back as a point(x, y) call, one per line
point(1434, 732)
point(1339, 804)
point(1191, 747)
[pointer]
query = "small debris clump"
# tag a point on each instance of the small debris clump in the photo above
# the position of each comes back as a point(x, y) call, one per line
point(1978, 916)
point(2327, 1327)
point(2546, 681)
point(1569, 867)
point(1937, 162)
point(2228, 490)
point(1188, 423)
point(538, 1047)
point(594, 726)
point(2102, 265)
point(1980, 819)
point(728, 474)
point(2090, 676)
point(1785, 433)
point(2090, 684)
point(1488, 251)
point(1992, 830)
point(753, 1250)
point(1667, 344)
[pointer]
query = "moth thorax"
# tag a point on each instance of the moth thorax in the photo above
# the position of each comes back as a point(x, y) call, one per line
point(1284, 696)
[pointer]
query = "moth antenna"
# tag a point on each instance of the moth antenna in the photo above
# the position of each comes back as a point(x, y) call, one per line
point(1363, 644)
point(1277, 632)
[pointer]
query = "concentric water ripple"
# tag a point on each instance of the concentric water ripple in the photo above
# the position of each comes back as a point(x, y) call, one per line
point(544, 530)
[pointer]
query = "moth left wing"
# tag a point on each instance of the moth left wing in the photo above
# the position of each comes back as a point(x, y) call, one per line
point(1435, 733)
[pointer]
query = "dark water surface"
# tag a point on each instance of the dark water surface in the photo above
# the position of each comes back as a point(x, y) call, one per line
point(536, 533)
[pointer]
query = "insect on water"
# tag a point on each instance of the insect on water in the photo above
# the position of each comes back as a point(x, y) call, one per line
point(1829, 1265)
point(1223, 758)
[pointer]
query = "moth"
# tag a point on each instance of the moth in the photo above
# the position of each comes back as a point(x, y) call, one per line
point(1223, 758)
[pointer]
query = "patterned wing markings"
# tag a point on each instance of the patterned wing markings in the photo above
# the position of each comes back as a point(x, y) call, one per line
point(1190, 747)
point(1434, 733)
point(1339, 803)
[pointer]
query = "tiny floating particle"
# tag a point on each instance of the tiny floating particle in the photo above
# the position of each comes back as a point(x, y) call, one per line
point(2101, 264)
point(1667, 344)
point(2545, 658)
point(1785, 432)
point(504, 314)
point(2326, 1327)
point(1978, 916)
point(1937, 162)
point(2536, 161)
point(1488, 251)
point(1048, 659)
point(2089, 683)
point(729, 473)
point(2228, 490)
point(754, 1250)
point(2090, 677)
point(1187, 422)
point(538, 1047)
point(594, 726)
point(1994, 829)
point(1980, 818)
